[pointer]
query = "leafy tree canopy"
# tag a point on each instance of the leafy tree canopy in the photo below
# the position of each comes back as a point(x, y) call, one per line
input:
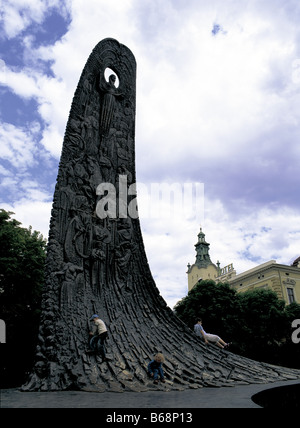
point(257, 322)
point(215, 303)
point(22, 260)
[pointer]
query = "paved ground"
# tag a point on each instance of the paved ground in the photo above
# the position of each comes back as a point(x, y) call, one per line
point(231, 397)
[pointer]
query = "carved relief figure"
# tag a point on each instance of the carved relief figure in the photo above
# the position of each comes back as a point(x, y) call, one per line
point(78, 237)
point(109, 93)
point(101, 237)
point(69, 272)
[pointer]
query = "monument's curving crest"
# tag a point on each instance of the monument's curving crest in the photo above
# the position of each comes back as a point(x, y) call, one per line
point(96, 262)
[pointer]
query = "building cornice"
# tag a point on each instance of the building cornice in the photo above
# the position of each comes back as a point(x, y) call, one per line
point(201, 267)
point(264, 267)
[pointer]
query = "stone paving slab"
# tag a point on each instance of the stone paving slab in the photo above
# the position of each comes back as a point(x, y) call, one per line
point(225, 397)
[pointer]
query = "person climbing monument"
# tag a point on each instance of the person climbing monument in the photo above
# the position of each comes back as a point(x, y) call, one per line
point(98, 337)
point(208, 337)
point(155, 368)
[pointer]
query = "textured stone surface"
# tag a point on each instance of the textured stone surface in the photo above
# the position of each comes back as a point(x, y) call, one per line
point(98, 265)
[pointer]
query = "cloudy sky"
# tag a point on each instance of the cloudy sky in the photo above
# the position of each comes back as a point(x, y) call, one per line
point(218, 103)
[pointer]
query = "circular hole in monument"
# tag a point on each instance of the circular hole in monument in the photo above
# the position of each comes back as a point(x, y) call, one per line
point(108, 72)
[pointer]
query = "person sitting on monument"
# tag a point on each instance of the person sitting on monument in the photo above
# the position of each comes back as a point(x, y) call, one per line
point(155, 368)
point(99, 335)
point(208, 337)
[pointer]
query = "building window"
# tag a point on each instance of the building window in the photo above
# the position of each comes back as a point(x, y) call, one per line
point(291, 296)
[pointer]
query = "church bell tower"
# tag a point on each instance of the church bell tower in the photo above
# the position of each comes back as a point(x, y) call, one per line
point(203, 268)
point(202, 251)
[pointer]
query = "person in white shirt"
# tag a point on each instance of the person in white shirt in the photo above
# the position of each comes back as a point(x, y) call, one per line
point(98, 337)
point(208, 337)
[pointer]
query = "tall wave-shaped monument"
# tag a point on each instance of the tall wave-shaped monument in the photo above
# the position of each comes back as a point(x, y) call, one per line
point(96, 262)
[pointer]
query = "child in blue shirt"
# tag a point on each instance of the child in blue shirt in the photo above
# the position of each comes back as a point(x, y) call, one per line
point(155, 368)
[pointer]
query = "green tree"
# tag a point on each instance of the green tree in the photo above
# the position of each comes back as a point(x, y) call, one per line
point(215, 303)
point(292, 312)
point(290, 350)
point(263, 323)
point(22, 259)
point(257, 322)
